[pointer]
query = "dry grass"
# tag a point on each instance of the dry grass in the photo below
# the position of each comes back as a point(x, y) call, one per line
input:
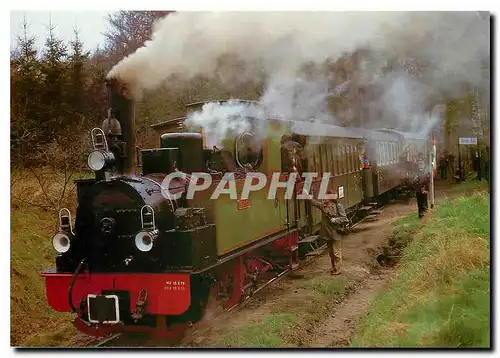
point(33, 222)
point(440, 297)
point(453, 259)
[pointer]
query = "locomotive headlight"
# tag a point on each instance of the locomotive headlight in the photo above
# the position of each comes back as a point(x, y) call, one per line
point(144, 240)
point(61, 242)
point(97, 160)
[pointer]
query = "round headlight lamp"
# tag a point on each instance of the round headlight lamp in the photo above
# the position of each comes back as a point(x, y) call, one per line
point(61, 242)
point(144, 240)
point(98, 160)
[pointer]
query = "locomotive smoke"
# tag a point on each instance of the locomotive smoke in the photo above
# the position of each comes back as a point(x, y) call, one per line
point(219, 120)
point(277, 46)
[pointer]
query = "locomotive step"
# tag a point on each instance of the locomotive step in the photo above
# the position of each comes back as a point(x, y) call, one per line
point(376, 212)
point(317, 251)
point(310, 239)
point(365, 208)
point(371, 218)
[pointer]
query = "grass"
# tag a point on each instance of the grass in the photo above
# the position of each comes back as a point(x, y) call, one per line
point(278, 329)
point(32, 252)
point(331, 287)
point(440, 296)
point(265, 334)
point(33, 322)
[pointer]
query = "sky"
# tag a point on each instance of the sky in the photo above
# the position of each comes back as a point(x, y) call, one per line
point(91, 25)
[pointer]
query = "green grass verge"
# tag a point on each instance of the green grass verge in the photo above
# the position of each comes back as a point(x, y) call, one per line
point(265, 334)
point(440, 296)
point(277, 329)
point(329, 287)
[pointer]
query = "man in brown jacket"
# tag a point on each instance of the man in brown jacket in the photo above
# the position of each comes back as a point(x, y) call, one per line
point(334, 225)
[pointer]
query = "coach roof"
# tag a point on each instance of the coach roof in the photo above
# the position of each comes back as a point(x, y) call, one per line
point(374, 134)
point(322, 130)
point(405, 135)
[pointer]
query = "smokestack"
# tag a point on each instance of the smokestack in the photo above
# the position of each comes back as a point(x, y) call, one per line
point(122, 108)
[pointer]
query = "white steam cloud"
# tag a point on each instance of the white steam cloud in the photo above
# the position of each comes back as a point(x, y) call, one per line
point(290, 51)
point(229, 118)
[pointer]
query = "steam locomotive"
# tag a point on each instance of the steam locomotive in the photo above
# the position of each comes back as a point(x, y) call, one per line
point(137, 260)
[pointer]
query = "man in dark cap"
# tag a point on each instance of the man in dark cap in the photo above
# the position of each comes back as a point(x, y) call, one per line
point(334, 226)
point(422, 182)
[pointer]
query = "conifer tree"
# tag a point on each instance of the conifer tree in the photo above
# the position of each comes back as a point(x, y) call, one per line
point(54, 68)
point(77, 88)
point(25, 96)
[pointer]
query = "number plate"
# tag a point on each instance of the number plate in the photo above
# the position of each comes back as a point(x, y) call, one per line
point(103, 308)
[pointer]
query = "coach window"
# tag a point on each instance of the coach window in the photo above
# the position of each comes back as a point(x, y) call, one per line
point(317, 153)
point(321, 159)
point(347, 166)
point(317, 163)
point(355, 158)
point(328, 155)
point(314, 161)
point(382, 154)
point(336, 158)
point(351, 158)
point(362, 156)
point(385, 158)
point(359, 158)
point(344, 159)
point(310, 158)
point(349, 161)
point(331, 157)
point(348, 158)
point(324, 159)
point(387, 153)
point(341, 159)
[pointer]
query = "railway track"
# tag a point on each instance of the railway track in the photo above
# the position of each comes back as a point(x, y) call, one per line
point(107, 340)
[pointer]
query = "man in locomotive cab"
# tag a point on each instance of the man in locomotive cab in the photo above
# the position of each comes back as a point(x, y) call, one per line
point(422, 182)
point(334, 226)
point(291, 154)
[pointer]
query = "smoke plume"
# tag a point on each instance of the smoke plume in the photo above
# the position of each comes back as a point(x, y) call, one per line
point(451, 48)
point(229, 118)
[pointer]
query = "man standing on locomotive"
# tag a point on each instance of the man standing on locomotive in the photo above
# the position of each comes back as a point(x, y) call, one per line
point(334, 225)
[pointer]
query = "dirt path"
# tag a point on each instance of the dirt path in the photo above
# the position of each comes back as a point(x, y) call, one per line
point(336, 331)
